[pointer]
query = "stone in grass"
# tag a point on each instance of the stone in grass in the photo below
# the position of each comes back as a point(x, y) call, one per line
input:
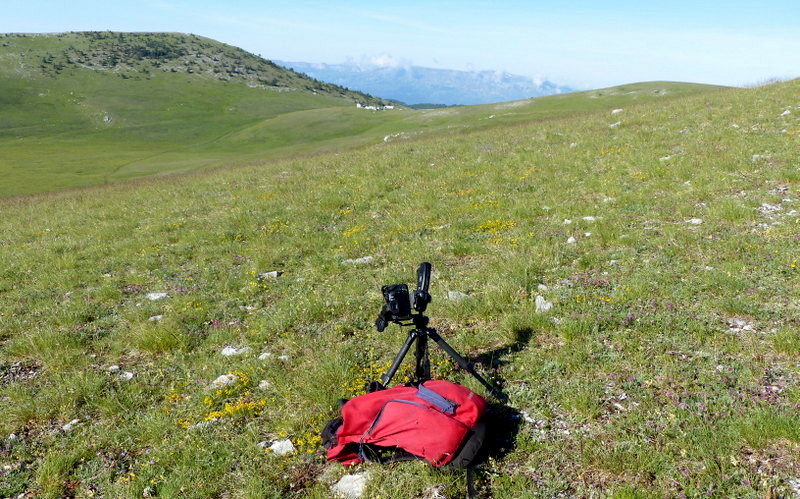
point(224, 380)
point(71, 425)
point(265, 356)
point(542, 305)
point(571, 240)
point(156, 296)
point(456, 296)
point(363, 259)
point(264, 384)
point(126, 376)
point(278, 447)
point(351, 486)
point(273, 274)
point(794, 484)
point(695, 221)
point(229, 350)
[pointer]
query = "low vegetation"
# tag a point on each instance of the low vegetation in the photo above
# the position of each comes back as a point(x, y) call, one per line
point(664, 234)
point(83, 109)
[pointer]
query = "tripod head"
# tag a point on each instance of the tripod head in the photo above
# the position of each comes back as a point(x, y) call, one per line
point(399, 303)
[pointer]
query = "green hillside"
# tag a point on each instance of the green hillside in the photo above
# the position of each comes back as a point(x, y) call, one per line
point(665, 236)
point(87, 108)
point(81, 109)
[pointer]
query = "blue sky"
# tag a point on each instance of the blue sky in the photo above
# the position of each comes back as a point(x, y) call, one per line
point(585, 44)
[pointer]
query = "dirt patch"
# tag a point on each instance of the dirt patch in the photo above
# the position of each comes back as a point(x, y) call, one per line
point(18, 371)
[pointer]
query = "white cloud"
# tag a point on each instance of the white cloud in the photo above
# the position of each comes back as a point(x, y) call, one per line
point(384, 61)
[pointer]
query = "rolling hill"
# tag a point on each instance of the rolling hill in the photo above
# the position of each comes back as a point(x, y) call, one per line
point(82, 109)
point(88, 108)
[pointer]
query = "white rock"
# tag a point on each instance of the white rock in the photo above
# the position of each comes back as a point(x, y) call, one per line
point(363, 259)
point(284, 357)
point(229, 351)
point(587, 234)
point(786, 113)
point(665, 158)
point(456, 296)
point(203, 424)
point(542, 287)
point(571, 240)
point(542, 305)
point(224, 380)
point(264, 384)
point(265, 356)
point(282, 447)
point(616, 111)
point(695, 221)
point(351, 486)
point(13, 436)
point(113, 368)
point(794, 484)
point(156, 296)
point(590, 218)
point(155, 318)
point(274, 274)
point(708, 267)
point(757, 157)
point(613, 262)
point(546, 208)
point(126, 376)
point(566, 221)
point(615, 125)
point(71, 425)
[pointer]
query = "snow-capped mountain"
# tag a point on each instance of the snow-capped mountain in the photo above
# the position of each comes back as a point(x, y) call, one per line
point(415, 85)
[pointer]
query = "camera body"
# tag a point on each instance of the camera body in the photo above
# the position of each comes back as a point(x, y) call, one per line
point(399, 302)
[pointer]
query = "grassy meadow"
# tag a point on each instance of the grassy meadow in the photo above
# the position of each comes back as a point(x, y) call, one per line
point(665, 235)
point(84, 109)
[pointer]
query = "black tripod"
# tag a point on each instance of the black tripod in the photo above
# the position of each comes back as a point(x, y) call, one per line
point(422, 372)
point(396, 311)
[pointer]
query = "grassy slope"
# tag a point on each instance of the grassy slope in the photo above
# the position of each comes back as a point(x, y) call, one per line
point(667, 365)
point(88, 122)
point(55, 133)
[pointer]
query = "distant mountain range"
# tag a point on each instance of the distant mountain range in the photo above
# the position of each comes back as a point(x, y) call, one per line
point(415, 85)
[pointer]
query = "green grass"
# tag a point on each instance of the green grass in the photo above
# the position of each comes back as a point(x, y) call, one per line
point(668, 364)
point(71, 119)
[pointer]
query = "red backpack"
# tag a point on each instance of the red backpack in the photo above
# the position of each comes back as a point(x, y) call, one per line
point(438, 421)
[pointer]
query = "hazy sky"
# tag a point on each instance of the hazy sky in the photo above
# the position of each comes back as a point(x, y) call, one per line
point(579, 43)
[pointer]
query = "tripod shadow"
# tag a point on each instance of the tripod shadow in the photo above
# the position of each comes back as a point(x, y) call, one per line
point(494, 359)
point(502, 420)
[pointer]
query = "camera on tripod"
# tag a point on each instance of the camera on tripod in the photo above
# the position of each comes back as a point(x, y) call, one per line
point(397, 308)
point(399, 303)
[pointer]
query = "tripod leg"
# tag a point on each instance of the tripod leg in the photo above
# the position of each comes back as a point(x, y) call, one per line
point(387, 378)
point(467, 366)
point(423, 362)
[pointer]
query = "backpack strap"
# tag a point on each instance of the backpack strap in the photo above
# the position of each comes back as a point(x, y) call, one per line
point(430, 396)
